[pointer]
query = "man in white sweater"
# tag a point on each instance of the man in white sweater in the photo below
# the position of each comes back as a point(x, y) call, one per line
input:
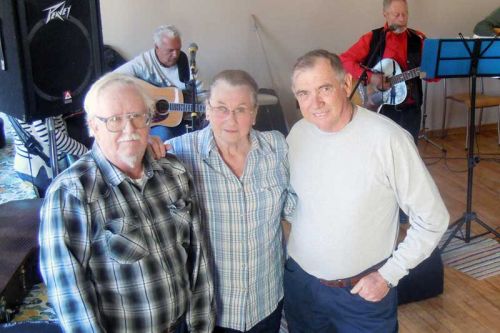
point(351, 169)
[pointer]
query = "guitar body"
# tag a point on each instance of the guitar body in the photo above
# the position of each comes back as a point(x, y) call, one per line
point(372, 98)
point(169, 94)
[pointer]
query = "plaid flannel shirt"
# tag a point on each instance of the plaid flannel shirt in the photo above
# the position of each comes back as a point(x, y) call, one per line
point(118, 258)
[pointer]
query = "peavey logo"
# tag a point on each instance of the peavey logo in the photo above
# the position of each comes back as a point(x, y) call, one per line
point(58, 11)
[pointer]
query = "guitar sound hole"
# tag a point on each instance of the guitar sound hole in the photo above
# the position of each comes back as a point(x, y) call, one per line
point(161, 107)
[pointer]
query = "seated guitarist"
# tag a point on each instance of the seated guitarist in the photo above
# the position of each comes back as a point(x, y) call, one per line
point(402, 44)
point(165, 65)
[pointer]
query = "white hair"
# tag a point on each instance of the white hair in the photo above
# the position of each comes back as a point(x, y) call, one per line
point(169, 31)
point(91, 102)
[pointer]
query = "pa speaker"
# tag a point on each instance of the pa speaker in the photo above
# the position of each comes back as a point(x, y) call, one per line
point(50, 53)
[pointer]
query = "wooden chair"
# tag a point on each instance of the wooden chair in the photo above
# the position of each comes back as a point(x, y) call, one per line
point(482, 101)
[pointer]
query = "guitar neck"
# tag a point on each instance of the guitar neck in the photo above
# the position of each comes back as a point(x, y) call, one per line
point(185, 107)
point(405, 76)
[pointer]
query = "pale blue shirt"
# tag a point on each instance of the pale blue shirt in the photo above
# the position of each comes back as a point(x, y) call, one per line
point(242, 219)
point(147, 67)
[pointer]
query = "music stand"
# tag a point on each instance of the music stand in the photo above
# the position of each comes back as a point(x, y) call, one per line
point(448, 58)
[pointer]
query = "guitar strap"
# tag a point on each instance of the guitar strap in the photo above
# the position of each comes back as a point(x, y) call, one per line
point(183, 67)
point(413, 59)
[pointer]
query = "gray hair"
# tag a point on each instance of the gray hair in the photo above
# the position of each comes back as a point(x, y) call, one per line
point(91, 102)
point(169, 31)
point(387, 3)
point(309, 59)
point(236, 78)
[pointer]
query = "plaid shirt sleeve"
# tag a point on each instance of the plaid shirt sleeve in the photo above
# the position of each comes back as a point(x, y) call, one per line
point(200, 316)
point(64, 253)
point(291, 197)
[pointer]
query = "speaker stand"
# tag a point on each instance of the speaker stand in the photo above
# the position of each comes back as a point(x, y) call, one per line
point(51, 129)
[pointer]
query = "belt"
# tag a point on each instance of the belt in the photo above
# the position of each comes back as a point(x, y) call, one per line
point(351, 281)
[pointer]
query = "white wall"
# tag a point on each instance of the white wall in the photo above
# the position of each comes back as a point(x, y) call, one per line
point(227, 37)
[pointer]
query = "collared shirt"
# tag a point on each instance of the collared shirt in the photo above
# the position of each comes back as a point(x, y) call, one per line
point(118, 258)
point(147, 67)
point(242, 216)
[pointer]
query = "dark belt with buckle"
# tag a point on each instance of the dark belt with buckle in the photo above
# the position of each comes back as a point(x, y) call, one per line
point(351, 281)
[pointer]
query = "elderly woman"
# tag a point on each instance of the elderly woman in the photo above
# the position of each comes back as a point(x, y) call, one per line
point(241, 178)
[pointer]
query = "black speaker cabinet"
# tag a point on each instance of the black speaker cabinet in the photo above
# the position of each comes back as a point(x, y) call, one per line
point(50, 53)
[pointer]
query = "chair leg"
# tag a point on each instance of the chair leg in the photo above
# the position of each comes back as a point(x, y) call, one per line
point(478, 128)
point(443, 121)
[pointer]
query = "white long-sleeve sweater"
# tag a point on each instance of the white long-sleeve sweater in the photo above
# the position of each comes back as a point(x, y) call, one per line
point(349, 186)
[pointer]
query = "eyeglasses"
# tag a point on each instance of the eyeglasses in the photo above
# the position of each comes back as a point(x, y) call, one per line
point(118, 123)
point(223, 112)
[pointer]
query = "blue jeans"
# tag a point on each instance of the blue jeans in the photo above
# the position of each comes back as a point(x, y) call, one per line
point(313, 307)
point(270, 324)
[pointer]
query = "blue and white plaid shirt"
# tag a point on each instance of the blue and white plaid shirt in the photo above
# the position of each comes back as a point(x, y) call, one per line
point(119, 258)
point(242, 217)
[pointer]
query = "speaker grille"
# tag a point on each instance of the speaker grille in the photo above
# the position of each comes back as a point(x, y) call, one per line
point(61, 58)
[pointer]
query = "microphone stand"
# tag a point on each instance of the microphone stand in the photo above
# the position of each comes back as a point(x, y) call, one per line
point(364, 75)
point(194, 98)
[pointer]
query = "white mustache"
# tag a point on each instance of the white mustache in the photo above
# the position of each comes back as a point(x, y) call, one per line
point(130, 137)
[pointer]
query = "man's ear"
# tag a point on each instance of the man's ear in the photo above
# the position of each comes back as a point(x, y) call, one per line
point(92, 126)
point(207, 111)
point(348, 83)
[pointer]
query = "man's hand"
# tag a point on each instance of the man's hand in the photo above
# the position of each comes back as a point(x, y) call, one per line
point(158, 147)
point(372, 287)
point(287, 227)
point(380, 82)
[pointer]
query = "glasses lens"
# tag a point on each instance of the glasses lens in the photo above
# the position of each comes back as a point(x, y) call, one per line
point(140, 120)
point(115, 124)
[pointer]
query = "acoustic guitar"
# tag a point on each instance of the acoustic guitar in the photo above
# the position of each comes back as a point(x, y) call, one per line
point(169, 105)
point(373, 99)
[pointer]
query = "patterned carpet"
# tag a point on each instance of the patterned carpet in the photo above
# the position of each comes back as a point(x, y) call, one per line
point(36, 306)
point(480, 258)
point(11, 186)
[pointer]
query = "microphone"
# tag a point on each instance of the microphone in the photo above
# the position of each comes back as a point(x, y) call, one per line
point(193, 48)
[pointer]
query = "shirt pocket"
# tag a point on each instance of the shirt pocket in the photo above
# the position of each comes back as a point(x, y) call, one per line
point(181, 214)
point(125, 240)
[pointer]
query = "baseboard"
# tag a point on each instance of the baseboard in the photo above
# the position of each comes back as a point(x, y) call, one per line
point(437, 133)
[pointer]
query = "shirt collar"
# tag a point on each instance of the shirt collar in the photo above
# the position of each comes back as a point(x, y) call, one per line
point(114, 176)
point(207, 143)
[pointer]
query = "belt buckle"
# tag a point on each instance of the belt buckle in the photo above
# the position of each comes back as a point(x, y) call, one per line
point(341, 283)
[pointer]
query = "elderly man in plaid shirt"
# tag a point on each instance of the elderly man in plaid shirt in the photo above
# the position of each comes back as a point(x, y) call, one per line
point(121, 248)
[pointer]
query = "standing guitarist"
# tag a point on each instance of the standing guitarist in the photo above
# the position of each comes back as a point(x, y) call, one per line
point(400, 43)
point(165, 65)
